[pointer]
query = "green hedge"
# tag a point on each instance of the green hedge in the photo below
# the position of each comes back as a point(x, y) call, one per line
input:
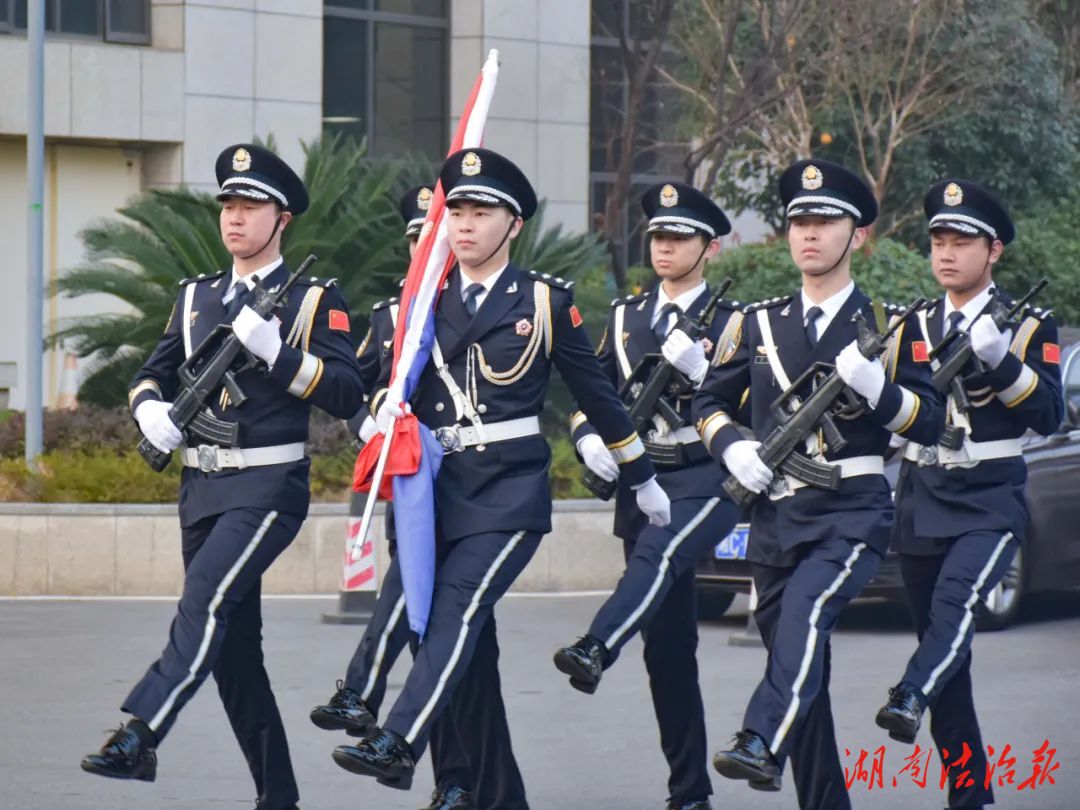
point(90, 458)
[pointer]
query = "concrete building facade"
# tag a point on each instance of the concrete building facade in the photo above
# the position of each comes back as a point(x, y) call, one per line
point(147, 92)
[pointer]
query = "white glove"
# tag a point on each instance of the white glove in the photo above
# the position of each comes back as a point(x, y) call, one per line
point(261, 337)
point(864, 377)
point(368, 428)
point(990, 344)
point(687, 355)
point(597, 457)
point(388, 412)
point(742, 460)
point(155, 424)
point(654, 502)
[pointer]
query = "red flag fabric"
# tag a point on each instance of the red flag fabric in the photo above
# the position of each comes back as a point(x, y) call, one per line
point(404, 458)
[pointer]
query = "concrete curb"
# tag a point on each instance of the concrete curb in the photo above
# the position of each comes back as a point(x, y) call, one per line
point(71, 549)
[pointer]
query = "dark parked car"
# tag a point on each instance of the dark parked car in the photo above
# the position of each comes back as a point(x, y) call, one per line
point(1050, 559)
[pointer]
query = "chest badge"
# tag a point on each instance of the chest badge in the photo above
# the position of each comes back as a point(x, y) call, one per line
point(523, 327)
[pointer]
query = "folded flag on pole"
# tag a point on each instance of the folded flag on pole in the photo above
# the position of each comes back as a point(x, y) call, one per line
point(408, 457)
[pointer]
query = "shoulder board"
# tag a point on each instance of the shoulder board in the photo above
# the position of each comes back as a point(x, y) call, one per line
point(550, 280)
point(317, 282)
point(768, 303)
point(384, 304)
point(629, 299)
point(203, 277)
point(726, 304)
point(1038, 313)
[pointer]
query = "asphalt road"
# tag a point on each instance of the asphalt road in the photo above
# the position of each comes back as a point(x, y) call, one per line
point(66, 665)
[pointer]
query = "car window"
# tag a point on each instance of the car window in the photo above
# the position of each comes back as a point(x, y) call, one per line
point(1072, 374)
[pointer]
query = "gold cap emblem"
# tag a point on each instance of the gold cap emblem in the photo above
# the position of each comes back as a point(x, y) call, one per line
point(470, 164)
point(423, 199)
point(241, 160)
point(669, 197)
point(811, 178)
point(954, 195)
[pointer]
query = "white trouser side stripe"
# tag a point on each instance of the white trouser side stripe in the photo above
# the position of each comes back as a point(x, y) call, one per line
point(455, 655)
point(969, 614)
point(665, 563)
point(211, 621)
point(380, 649)
point(811, 644)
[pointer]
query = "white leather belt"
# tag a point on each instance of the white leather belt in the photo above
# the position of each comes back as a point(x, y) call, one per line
point(210, 457)
point(784, 485)
point(967, 456)
point(454, 438)
point(684, 435)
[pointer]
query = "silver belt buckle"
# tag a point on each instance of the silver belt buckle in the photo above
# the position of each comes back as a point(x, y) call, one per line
point(780, 487)
point(207, 456)
point(928, 456)
point(448, 438)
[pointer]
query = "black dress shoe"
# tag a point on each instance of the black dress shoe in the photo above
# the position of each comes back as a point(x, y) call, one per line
point(750, 759)
point(902, 715)
point(345, 711)
point(583, 661)
point(127, 754)
point(384, 755)
point(700, 805)
point(453, 798)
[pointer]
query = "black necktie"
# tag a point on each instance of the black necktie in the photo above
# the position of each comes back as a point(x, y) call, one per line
point(242, 294)
point(472, 292)
point(663, 323)
point(954, 321)
point(812, 315)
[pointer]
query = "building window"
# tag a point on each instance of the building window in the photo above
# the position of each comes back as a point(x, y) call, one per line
point(658, 153)
point(384, 73)
point(126, 21)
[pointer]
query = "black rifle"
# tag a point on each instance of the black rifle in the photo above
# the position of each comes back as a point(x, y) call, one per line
point(799, 418)
point(652, 380)
point(213, 364)
point(948, 379)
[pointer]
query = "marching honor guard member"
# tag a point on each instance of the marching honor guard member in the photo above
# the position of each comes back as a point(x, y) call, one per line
point(355, 705)
point(240, 506)
point(961, 511)
point(499, 329)
point(812, 547)
point(656, 594)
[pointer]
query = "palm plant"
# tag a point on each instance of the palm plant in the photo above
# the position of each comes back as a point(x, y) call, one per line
point(165, 236)
point(352, 225)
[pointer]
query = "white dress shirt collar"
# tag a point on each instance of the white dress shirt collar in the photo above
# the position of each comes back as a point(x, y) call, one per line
point(249, 279)
point(829, 307)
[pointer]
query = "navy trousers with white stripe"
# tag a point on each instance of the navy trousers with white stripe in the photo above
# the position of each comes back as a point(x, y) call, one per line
point(943, 591)
point(472, 574)
point(218, 629)
point(798, 607)
point(656, 597)
point(386, 636)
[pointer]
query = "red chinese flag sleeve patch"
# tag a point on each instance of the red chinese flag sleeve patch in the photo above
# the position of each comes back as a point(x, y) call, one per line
point(575, 316)
point(919, 351)
point(1052, 353)
point(339, 320)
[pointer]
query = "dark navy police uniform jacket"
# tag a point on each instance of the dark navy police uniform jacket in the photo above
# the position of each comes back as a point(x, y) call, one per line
point(862, 506)
point(501, 359)
point(316, 366)
point(935, 503)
